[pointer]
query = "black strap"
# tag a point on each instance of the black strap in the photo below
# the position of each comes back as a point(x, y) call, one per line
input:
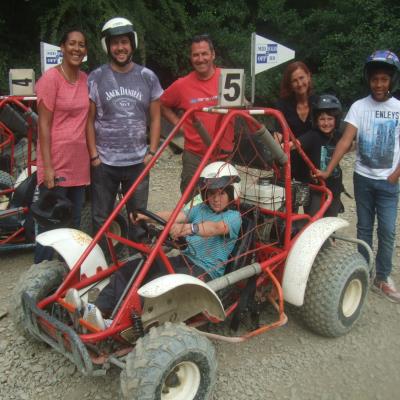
point(246, 303)
point(21, 82)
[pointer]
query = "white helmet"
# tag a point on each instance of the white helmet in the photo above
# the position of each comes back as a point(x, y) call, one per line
point(220, 175)
point(115, 27)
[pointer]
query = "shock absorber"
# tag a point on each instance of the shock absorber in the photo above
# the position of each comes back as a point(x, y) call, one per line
point(137, 323)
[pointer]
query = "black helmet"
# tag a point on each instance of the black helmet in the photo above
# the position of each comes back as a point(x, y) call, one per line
point(115, 27)
point(328, 103)
point(386, 60)
point(52, 210)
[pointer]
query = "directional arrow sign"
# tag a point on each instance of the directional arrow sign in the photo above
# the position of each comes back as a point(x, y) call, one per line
point(266, 54)
point(269, 54)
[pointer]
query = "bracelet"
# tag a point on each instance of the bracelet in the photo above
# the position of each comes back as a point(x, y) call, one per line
point(95, 158)
point(194, 228)
point(152, 153)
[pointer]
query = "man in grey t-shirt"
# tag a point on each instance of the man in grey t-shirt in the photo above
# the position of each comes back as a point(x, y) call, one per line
point(124, 99)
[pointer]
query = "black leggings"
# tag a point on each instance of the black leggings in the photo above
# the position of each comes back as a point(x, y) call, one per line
point(109, 296)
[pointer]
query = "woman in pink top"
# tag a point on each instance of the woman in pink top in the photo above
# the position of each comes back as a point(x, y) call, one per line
point(62, 155)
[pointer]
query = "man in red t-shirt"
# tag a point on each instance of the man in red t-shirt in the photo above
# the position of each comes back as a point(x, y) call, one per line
point(199, 87)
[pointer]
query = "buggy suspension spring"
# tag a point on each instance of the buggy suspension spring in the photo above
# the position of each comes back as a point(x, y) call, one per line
point(137, 324)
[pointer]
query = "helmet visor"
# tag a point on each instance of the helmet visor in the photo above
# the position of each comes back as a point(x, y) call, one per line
point(217, 183)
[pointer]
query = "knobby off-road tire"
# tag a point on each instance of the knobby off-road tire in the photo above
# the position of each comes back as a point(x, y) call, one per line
point(6, 182)
point(336, 291)
point(119, 226)
point(40, 281)
point(171, 362)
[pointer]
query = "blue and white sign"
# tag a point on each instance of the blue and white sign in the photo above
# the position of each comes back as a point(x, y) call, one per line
point(268, 54)
point(50, 56)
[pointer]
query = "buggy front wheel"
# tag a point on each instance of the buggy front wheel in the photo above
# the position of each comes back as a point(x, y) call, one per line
point(39, 281)
point(171, 362)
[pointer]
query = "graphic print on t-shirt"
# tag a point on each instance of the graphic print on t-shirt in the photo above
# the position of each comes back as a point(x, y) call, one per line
point(197, 100)
point(376, 149)
point(326, 156)
point(124, 100)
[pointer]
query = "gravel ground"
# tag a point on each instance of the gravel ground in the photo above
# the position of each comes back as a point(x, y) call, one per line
point(286, 363)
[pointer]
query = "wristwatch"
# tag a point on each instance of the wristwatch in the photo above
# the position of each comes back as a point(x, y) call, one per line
point(195, 229)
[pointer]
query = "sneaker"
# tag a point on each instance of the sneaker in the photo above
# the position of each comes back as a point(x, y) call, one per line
point(93, 315)
point(72, 298)
point(108, 322)
point(387, 290)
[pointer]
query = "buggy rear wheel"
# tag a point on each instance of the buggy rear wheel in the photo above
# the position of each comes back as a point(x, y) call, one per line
point(39, 281)
point(336, 291)
point(6, 182)
point(172, 362)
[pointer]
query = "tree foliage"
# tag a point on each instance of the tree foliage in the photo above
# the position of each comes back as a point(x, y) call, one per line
point(332, 37)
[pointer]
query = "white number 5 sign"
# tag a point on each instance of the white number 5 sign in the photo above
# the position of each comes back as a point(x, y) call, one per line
point(231, 84)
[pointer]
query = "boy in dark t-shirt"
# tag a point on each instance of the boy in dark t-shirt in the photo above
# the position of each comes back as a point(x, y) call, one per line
point(319, 145)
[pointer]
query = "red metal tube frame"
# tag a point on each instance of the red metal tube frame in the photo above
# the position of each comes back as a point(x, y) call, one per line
point(157, 249)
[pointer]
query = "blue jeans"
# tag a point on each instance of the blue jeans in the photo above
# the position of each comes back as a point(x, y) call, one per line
point(380, 198)
point(77, 196)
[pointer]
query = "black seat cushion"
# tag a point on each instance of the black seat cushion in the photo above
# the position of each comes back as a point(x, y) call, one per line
point(23, 194)
point(246, 239)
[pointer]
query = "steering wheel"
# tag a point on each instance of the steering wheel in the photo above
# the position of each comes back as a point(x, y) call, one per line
point(179, 243)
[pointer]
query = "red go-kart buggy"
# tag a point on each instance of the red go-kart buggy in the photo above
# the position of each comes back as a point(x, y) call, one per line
point(18, 127)
point(156, 334)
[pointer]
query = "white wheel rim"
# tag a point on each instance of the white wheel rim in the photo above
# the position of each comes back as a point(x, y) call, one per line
point(188, 375)
point(352, 297)
point(3, 202)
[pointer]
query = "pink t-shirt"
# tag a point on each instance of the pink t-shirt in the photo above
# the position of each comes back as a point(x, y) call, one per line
point(190, 91)
point(69, 104)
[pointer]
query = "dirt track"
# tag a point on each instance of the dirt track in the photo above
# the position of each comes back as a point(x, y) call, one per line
point(287, 363)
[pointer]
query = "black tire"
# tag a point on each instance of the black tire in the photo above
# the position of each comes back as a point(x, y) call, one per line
point(40, 281)
point(6, 182)
point(336, 291)
point(171, 353)
point(86, 219)
point(119, 225)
